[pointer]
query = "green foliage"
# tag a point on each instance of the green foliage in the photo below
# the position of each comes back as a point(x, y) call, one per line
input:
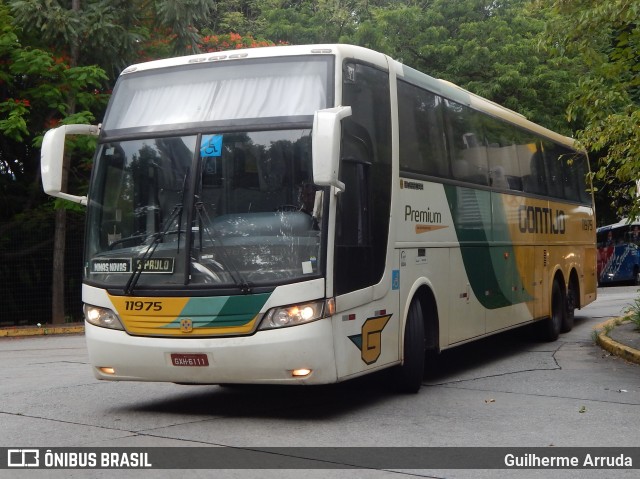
point(633, 313)
point(114, 33)
point(605, 103)
point(36, 88)
point(231, 41)
point(14, 125)
point(297, 22)
point(566, 64)
point(489, 48)
point(183, 18)
point(39, 91)
point(60, 203)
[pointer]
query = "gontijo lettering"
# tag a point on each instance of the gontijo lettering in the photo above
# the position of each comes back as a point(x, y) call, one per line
point(535, 219)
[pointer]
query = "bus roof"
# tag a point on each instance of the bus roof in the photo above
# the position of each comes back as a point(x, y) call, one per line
point(441, 87)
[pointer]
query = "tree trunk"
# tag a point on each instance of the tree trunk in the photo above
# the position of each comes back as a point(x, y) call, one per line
point(60, 232)
point(57, 290)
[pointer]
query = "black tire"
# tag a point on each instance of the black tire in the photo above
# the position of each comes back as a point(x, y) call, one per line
point(408, 377)
point(551, 326)
point(570, 313)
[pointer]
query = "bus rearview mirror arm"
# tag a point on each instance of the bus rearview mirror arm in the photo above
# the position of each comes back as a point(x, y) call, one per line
point(52, 158)
point(325, 146)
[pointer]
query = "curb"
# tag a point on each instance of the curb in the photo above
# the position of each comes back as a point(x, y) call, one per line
point(40, 330)
point(615, 348)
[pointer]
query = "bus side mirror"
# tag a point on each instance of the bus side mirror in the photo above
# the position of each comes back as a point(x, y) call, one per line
point(325, 145)
point(52, 156)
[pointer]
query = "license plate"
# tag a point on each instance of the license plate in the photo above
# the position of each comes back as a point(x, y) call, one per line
point(198, 359)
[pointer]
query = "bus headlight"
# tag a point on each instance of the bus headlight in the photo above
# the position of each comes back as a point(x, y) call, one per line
point(103, 317)
point(292, 315)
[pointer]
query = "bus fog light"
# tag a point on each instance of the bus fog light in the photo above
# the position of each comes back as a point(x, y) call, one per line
point(293, 315)
point(106, 370)
point(300, 373)
point(103, 317)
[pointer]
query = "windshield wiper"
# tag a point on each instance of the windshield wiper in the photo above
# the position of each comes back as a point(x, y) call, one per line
point(150, 250)
point(233, 271)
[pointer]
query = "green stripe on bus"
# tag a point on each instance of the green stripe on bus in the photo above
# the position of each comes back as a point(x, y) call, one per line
point(222, 311)
point(492, 278)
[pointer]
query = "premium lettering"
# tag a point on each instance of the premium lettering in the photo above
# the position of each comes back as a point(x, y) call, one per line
point(422, 216)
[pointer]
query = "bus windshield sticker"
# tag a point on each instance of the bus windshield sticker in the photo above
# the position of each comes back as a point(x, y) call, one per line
point(211, 145)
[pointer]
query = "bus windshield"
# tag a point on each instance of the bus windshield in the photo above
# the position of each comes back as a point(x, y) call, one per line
point(214, 210)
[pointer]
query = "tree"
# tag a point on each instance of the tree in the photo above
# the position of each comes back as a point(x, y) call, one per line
point(35, 88)
point(606, 100)
point(108, 34)
point(488, 47)
point(297, 21)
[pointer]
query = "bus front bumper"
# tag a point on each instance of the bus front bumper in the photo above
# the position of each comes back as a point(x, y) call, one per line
point(266, 357)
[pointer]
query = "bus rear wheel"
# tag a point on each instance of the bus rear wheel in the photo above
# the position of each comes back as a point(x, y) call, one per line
point(569, 314)
point(407, 378)
point(551, 326)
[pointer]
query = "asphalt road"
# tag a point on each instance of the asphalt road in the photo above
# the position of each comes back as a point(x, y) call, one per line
point(506, 391)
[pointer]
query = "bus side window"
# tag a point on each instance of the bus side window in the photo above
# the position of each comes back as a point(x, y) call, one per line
point(574, 171)
point(117, 222)
point(554, 168)
point(581, 170)
point(355, 200)
point(422, 147)
point(363, 210)
point(601, 239)
point(536, 181)
point(502, 153)
point(466, 144)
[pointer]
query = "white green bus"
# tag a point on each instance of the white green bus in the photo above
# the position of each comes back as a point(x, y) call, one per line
point(310, 214)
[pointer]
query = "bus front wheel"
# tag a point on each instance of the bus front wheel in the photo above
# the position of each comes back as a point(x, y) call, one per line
point(408, 376)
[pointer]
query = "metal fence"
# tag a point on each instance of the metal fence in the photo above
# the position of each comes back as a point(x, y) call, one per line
point(26, 269)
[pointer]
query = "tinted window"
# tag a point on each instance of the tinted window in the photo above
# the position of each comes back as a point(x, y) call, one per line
point(531, 159)
point(574, 176)
point(362, 225)
point(502, 155)
point(422, 148)
point(467, 145)
point(554, 176)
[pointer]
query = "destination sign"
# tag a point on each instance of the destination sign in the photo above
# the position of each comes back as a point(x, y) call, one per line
point(123, 265)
